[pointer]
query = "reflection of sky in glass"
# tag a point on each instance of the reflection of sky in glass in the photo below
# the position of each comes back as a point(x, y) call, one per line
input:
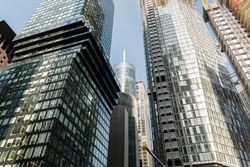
point(125, 74)
point(56, 13)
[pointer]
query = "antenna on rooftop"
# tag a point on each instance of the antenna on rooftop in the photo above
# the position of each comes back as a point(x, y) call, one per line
point(124, 55)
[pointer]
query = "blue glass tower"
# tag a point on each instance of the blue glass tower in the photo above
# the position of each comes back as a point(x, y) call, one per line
point(58, 94)
point(96, 15)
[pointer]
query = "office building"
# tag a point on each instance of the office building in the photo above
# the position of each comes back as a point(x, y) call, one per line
point(58, 94)
point(129, 102)
point(6, 47)
point(118, 138)
point(125, 74)
point(196, 113)
point(143, 119)
point(230, 21)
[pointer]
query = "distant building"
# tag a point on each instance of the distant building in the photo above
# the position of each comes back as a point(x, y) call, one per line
point(129, 102)
point(118, 138)
point(144, 126)
point(125, 73)
point(6, 46)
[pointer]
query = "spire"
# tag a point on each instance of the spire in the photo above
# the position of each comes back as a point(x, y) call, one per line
point(124, 55)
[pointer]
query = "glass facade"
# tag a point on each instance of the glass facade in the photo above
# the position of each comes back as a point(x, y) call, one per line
point(196, 112)
point(129, 102)
point(46, 118)
point(125, 73)
point(234, 39)
point(58, 95)
point(96, 14)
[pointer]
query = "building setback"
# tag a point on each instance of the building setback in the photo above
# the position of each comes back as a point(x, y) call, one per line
point(196, 113)
point(6, 47)
point(143, 119)
point(58, 94)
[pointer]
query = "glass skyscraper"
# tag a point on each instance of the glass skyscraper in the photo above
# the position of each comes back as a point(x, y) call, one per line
point(58, 94)
point(197, 117)
point(125, 73)
point(97, 15)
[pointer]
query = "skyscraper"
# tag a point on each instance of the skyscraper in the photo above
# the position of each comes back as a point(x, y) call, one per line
point(143, 119)
point(58, 94)
point(118, 138)
point(230, 20)
point(196, 113)
point(6, 47)
point(125, 73)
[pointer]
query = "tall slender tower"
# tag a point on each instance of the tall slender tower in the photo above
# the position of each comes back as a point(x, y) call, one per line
point(197, 116)
point(125, 73)
point(57, 96)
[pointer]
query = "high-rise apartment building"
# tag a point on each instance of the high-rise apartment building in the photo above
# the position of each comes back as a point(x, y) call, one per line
point(230, 21)
point(143, 119)
point(125, 74)
point(6, 47)
point(58, 94)
point(197, 117)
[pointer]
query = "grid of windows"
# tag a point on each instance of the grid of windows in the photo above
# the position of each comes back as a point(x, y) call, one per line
point(97, 14)
point(234, 40)
point(143, 119)
point(200, 114)
point(52, 113)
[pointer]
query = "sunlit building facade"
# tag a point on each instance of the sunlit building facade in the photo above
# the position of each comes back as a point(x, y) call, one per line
point(196, 114)
point(230, 21)
point(58, 94)
point(143, 119)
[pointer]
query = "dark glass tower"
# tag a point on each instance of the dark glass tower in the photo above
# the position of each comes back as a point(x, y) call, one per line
point(58, 94)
